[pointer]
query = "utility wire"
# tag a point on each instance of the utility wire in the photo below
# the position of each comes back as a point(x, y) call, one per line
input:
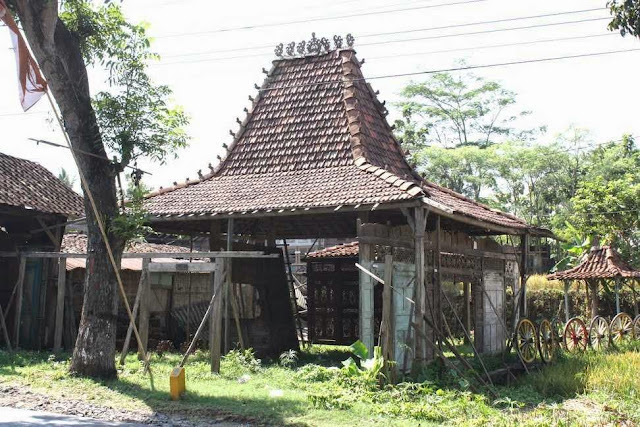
point(444, 27)
point(441, 36)
point(86, 153)
point(468, 67)
point(479, 47)
point(322, 18)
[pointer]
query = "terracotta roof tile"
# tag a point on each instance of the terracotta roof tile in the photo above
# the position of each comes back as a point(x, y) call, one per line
point(338, 251)
point(316, 136)
point(27, 184)
point(600, 263)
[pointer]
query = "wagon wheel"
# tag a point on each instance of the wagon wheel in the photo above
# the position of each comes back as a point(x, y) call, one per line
point(558, 329)
point(546, 341)
point(599, 333)
point(621, 328)
point(575, 335)
point(526, 340)
point(636, 327)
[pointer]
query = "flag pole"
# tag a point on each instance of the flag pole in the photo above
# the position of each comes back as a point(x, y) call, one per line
point(103, 232)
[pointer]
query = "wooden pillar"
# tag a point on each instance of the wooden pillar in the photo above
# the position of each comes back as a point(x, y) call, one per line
point(214, 238)
point(420, 351)
point(62, 285)
point(635, 298)
point(466, 294)
point(271, 233)
point(216, 316)
point(617, 284)
point(524, 273)
point(567, 315)
point(20, 291)
point(388, 341)
point(145, 302)
point(437, 281)
point(594, 298)
point(365, 304)
point(227, 286)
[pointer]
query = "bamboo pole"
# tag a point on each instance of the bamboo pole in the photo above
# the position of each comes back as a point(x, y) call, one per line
point(136, 306)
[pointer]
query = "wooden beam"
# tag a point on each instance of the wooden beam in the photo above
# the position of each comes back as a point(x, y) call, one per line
point(147, 255)
point(366, 298)
point(18, 311)
point(145, 307)
point(524, 273)
point(62, 285)
point(420, 344)
point(48, 232)
point(216, 317)
point(437, 279)
point(227, 286)
point(388, 340)
point(5, 333)
point(181, 267)
point(467, 308)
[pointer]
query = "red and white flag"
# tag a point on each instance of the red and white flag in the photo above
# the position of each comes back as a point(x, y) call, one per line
point(32, 84)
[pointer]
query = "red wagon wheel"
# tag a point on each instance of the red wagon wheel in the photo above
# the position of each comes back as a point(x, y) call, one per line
point(546, 341)
point(599, 333)
point(621, 328)
point(575, 335)
point(636, 327)
point(526, 340)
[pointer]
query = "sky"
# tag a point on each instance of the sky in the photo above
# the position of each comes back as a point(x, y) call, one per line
point(213, 53)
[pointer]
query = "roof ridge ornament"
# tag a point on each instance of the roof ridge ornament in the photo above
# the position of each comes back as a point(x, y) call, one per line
point(314, 46)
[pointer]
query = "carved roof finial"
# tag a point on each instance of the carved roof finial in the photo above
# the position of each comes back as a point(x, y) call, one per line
point(314, 46)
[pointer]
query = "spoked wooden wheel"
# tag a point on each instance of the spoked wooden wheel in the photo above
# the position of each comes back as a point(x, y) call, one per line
point(558, 330)
point(599, 333)
point(546, 341)
point(636, 327)
point(621, 329)
point(526, 340)
point(575, 335)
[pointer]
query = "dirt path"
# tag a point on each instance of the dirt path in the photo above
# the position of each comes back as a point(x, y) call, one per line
point(18, 396)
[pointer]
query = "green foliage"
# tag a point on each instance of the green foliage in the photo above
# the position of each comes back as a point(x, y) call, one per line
point(239, 362)
point(626, 16)
point(66, 179)
point(368, 369)
point(134, 116)
point(289, 358)
point(454, 110)
point(131, 224)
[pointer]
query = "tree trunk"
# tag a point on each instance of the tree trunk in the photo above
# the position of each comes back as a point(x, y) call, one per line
point(60, 58)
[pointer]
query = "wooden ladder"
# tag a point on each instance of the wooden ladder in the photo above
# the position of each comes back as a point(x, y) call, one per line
point(292, 294)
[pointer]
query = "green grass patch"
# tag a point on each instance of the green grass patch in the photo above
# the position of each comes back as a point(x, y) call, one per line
point(309, 388)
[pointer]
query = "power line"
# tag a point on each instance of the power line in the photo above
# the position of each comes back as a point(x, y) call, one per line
point(468, 67)
point(467, 24)
point(480, 47)
point(497, 30)
point(322, 18)
point(441, 36)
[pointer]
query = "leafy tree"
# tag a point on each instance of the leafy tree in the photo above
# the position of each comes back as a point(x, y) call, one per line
point(607, 202)
point(453, 110)
point(626, 16)
point(132, 119)
point(66, 179)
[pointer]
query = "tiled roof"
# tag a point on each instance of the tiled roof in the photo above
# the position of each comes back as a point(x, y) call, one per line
point(303, 145)
point(600, 263)
point(338, 251)
point(77, 244)
point(316, 136)
point(26, 184)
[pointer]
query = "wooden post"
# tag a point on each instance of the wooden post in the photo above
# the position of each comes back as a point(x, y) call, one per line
point(5, 333)
point(214, 238)
point(20, 291)
point(524, 273)
point(62, 285)
point(436, 293)
point(635, 298)
point(134, 313)
point(388, 341)
point(566, 302)
point(216, 316)
point(366, 302)
point(145, 301)
point(617, 295)
point(594, 299)
point(467, 309)
point(420, 351)
point(227, 286)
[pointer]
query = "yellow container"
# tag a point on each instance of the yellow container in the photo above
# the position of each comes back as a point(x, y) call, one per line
point(177, 385)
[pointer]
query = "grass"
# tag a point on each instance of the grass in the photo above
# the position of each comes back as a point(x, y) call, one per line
point(593, 388)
